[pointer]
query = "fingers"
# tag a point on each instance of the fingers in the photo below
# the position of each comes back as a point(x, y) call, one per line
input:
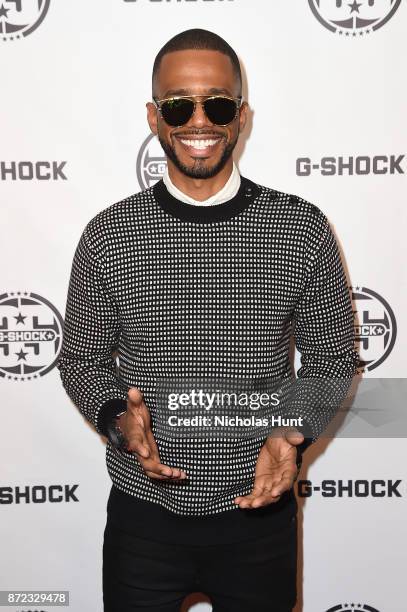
point(294, 436)
point(137, 442)
point(267, 490)
point(145, 448)
point(160, 471)
point(155, 469)
point(151, 441)
point(153, 466)
point(138, 430)
point(141, 441)
point(262, 496)
point(135, 396)
point(137, 434)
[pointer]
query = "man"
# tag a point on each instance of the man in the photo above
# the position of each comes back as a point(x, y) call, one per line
point(204, 277)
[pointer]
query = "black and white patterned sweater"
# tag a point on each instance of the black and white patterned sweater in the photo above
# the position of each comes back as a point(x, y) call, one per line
point(184, 290)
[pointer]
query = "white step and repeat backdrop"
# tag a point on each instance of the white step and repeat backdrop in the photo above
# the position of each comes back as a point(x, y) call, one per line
point(326, 82)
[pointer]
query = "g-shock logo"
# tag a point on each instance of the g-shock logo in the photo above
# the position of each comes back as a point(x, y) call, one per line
point(359, 165)
point(19, 18)
point(30, 336)
point(353, 18)
point(352, 607)
point(375, 327)
point(32, 171)
point(151, 162)
point(350, 488)
point(39, 494)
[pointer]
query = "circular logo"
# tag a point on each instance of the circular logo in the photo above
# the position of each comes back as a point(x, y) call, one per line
point(352, 607)
point(375, 327)
point(151, 162)
point(30, 335)
point(19, 18)
point(353, 18)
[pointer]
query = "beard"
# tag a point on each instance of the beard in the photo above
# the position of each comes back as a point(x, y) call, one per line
point(198, 170)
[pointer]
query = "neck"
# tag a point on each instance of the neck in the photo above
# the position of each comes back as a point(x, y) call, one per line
point(248, 192)
point(200, 189)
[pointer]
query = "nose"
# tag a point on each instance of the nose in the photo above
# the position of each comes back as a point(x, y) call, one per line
point(199, 118)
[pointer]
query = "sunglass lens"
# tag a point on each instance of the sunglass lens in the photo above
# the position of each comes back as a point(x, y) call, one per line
point(220, 111)
point(177, 112)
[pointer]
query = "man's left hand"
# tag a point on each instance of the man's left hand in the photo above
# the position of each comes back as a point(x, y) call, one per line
point(276, 468)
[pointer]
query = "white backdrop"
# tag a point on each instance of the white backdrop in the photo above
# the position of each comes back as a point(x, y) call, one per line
point(73, 141)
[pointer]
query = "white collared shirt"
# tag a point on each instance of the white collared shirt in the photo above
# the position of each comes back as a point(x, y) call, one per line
point(228, 191)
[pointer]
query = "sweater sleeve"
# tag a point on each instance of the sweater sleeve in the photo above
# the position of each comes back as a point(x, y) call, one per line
point(324, 336)
point(91, 334)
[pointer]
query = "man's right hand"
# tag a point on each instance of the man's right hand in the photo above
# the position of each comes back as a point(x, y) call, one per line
point(136, 427)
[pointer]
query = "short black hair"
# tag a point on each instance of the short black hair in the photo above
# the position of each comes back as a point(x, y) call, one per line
point(196, 38)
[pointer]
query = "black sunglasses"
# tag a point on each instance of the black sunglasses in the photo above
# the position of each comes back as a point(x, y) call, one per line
point(178, 110)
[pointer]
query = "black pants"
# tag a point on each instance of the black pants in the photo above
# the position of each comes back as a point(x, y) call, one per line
point(256, 575)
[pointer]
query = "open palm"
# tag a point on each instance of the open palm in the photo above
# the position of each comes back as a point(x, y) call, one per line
point(276, 470)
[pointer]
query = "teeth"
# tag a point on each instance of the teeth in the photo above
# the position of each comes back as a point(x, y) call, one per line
point(199, 144)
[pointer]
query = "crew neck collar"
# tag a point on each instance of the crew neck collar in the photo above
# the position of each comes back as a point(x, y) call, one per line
point(227, 192)
point(247, 192)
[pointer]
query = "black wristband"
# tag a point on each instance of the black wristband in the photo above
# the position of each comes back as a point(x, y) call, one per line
point(115, 434)
point(109, 411)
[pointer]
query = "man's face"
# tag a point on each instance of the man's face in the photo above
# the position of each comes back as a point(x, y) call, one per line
point(196, 72)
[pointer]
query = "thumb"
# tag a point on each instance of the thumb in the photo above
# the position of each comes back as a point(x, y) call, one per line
point(135, 395)
point(294, 437)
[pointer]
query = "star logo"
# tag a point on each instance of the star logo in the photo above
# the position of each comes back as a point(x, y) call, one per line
point(353, 19)
point(19, 18)
point(354, 7)
point(19, 318)
point(375, 327)
point(31, 333)
point(21, 355)
point(151, 162)
point(3, 11)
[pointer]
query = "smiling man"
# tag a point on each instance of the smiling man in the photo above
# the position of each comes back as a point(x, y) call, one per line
point(199, 282)
point(201, 148)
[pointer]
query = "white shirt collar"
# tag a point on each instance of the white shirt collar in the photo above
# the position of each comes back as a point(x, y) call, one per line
point(228, 191)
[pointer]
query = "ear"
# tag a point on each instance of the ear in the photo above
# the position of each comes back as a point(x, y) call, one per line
point(152, 117)
point(243, 115)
